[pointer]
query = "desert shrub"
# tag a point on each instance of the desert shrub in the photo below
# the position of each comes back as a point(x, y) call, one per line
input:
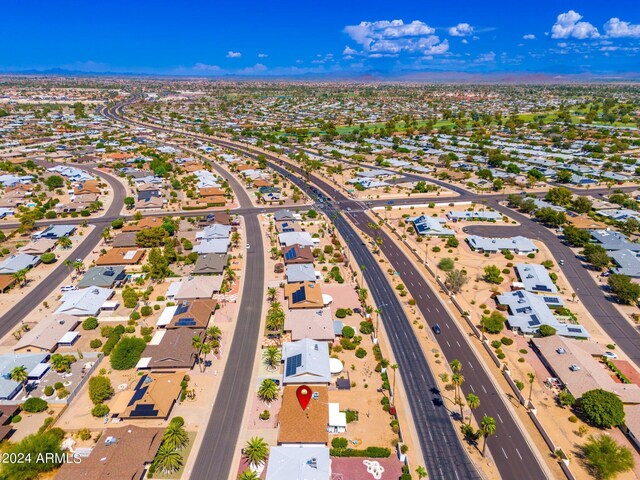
point(90, 323)
point(34, 405)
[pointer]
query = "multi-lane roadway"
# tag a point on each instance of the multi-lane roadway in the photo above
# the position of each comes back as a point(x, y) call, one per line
point(440, 446)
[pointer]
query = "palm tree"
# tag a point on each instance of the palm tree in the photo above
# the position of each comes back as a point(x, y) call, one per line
point(204, 351)
point(532, 377)
point(272, 292)
point(175, 436)
point(457, 379)
point(474, 402)
point(456, 365)
point(68, 263)
point(272, 357)
point(168, 460)
point(248, 474)
point(19, 374)
point(421, 472)
point(395, 367)
point(488, 427)
point(21, 277)
point(59, 363)
point(196, 343)
point(256, 451)
point(268, 390)
point(214, 332)
point(78, 265)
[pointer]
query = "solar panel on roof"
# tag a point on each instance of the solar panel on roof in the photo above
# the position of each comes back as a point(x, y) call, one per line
point(109, 273)
point(185, 322)
point(299, 295)
point(552, 299)
point(292, 364)
point(291, 254)
point(139, 393)
point(574, 330)
point(144, 410)
point(534, 321)
point(182, 308)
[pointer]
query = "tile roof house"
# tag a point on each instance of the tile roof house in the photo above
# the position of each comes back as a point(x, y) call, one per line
point(309, 426)
point(519, 244)
point(197, 287)
point(285, 215)
point(535, 278)
point(294, 254)
point(122, 453)
point(17, 262)
point(153, 397)
point(170, 349)
point(192, 314)
point(291, 463)
point(125, 240)
point(39, 247)
point(316, 325)
point(306, 361)
point(121, 256)
point(210, 264)
point(304, 295)
point(86, 302)
point(148, 222)
point(105, 277)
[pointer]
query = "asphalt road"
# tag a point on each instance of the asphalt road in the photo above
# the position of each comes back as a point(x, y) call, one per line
point(219, 444)
point(36, 296)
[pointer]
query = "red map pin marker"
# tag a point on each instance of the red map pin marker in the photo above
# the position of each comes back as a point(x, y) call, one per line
point(304, 396)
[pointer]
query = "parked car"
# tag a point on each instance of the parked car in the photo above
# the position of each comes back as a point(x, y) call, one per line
point(68, 288)
point(357, 310)
point(248, 246)
point(561, 262)
point(574, 368)
point(610, 355)
point(436, 329)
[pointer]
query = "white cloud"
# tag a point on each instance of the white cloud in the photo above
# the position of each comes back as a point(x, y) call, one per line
point(232, 54)
point(262, 55)
point(461, 30)
point(616, 28)
point(203, 67)
point(257, 68)
point(465, 41)
point(568, 25)
point(529, 36)
point(487, 57)
point(390, 38)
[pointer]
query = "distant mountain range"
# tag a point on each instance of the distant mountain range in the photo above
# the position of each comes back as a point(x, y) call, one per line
point(370, 77)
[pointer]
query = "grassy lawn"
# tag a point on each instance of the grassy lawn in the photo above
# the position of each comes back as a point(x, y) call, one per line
point(185, 455)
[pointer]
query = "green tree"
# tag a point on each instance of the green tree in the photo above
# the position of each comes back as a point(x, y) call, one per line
point(100, 389)
point(566, 399)
point(256, 451)
point(546, 330)
point(19, 374)
point(168, 460)
point(151, 237)
point(559, 196)
point(492, 274)
point(129, 202)
point(175, 436)
point(473, 401)
point(596, 255)
point(488, 427)
point(624, 288)
point(602, 408)
point(268, 390)
point(493, 323)
point(65, 242)
point(582, 204)
point(157, 265)
point(446, 264)
point(606, 457)
point(249, 474)
point(421, 472)
point(576, 237)
point(126, 353)
point(631, 226)
point(272, 357)
point(32, 446)
point(53, 182)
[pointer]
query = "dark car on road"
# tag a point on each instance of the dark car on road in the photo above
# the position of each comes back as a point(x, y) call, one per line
point(437, 329)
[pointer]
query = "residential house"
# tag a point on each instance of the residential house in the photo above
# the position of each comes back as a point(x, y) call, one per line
point(297, 238)
point(35, 364)
point(148, 222)
point(39, 247)
point(611, 240)
point(17, 262)
point(519, 244)
point(45, 336)
point(304, 295)
point(628, 262)
point(210, 264)
point(306, 361)
point(121, 256)
point(105, 277)
point(308, 426)
point(291, 463)
point(86, 302)
point(296, 254)
point(317, 325)
point(170, 350)
point(430, 226)
point(301, 272)
point(125, 240)
point(153, 397)
point(55, 231)
point(535, 278)
point(475, 215)
point(121, 453)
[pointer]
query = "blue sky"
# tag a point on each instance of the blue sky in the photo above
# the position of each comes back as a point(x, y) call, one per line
point(199, 37)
